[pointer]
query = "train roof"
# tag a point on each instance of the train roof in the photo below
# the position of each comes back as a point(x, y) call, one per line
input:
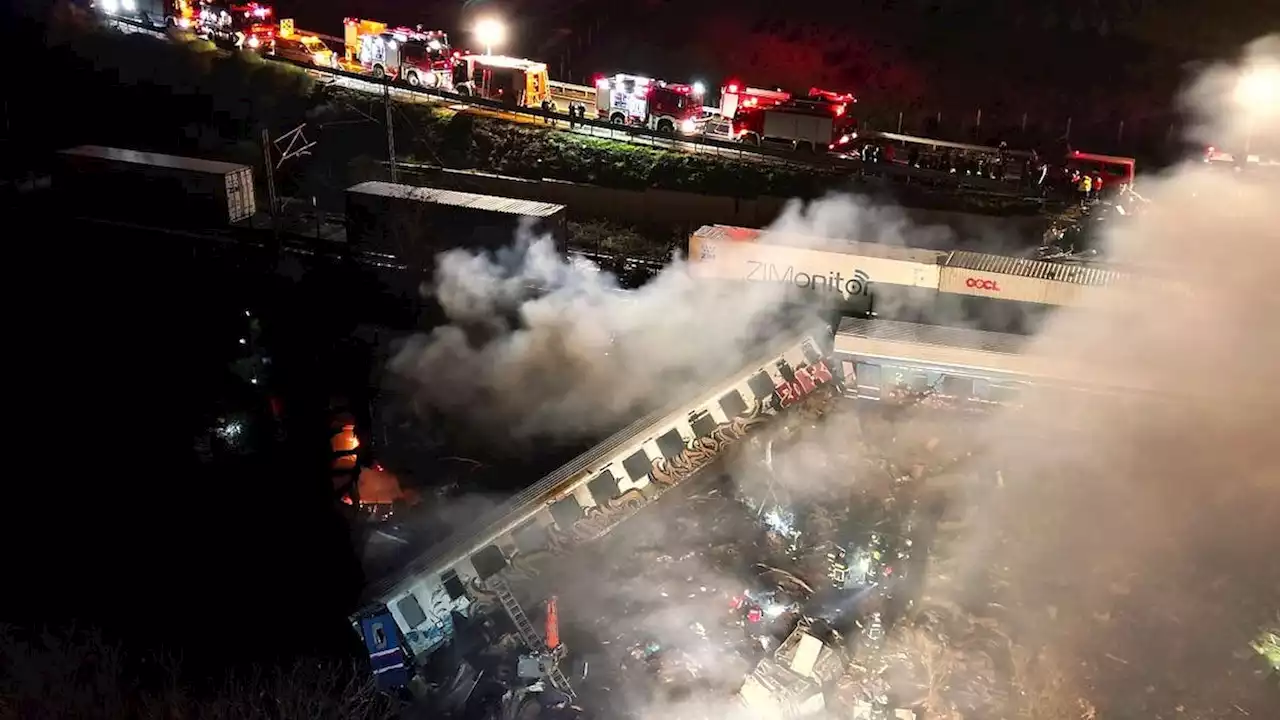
point(808, 242)
point(455, 198)
point(136, 157)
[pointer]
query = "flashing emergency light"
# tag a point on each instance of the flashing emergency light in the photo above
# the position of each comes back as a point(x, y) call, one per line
point(731, 88)
point(699, 88)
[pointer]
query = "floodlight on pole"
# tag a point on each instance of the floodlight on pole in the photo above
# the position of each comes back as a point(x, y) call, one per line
point(1257, 92)
point(490, 32)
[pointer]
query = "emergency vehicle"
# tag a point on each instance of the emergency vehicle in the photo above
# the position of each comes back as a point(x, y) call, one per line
point(156, 13)
point(508, 80)
point(649, 103)
point(419, 58)
point(735, 95)
point(819, 124)
point(247, 27)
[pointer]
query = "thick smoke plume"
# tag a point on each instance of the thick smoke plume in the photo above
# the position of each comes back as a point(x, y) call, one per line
point(1135, 539)
point(1143, 535)
point(578, 357)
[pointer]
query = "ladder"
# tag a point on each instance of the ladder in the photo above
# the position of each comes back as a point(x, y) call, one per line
point(530, 636)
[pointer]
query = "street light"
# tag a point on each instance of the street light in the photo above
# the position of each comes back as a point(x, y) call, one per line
point(490, 32)
point(1258, 87)
point(1257, 92)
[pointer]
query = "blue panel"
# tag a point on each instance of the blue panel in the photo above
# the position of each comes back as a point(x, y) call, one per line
point(387, 659)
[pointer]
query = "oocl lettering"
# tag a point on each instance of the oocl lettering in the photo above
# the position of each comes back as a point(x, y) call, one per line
point(980, 284)
point(857, 284)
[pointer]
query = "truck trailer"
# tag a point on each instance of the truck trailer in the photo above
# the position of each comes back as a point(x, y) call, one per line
point(114, 183)
point(415, 223)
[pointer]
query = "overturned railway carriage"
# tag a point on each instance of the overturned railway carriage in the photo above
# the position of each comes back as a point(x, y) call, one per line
point(413, 613)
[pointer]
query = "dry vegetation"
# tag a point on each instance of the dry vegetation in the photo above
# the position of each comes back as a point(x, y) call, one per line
point(75, 674)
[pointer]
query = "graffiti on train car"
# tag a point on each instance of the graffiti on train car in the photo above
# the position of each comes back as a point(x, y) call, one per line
point(669, 472)
point(808, 379)
point(599, 519)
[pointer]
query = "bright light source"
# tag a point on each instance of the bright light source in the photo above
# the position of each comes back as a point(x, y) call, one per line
point(688, 127)
point(490, 32)
point(602, 83)
point(243, 341)
point(1259, 86)
point(699, 88)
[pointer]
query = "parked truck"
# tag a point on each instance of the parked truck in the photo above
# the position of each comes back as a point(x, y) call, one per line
point(415, 223)
point(115, 183)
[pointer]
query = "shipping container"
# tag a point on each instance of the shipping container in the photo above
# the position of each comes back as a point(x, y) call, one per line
point(415, 223)
point(114, 183)
point(1024, 280)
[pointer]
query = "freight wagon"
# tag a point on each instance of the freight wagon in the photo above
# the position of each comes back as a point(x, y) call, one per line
point(415, 223)
point(114, 183)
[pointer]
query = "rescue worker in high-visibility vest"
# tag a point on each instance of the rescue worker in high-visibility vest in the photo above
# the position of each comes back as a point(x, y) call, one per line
point(1097, 186)
point(1085, 188)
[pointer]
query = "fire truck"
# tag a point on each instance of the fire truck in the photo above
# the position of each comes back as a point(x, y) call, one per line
point(508, 80)
point(420, 58)
point(157, 13)
point(249, 26)
point(817, 124)
point(734, 96)
point(649, 103)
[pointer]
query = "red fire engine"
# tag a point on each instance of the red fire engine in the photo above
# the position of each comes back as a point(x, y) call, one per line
point(817, 124)
point(250, 26)
point(421, 58)
point(735, 96)
point(654, 104)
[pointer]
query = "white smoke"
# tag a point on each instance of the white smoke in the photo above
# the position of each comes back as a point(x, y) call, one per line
point(579, 357)
point(1140, 537)
point(1135, 538)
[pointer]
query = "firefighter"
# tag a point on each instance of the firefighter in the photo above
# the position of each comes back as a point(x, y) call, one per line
point(1085, 188)
point(546, 108)
point(1097, 186)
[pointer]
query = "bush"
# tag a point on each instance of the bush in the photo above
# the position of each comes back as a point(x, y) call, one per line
point(70, 674)
point(480, 143)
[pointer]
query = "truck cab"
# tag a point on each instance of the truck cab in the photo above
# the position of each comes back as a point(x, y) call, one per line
point(640, 101)
point(419, 58)
point(245, 27)
point(156, 13)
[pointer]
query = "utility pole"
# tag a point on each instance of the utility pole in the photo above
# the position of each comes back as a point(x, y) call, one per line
point(391, 132)
point(270, 162)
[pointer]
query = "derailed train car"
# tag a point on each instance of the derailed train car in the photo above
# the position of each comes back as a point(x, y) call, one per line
point(418, 609)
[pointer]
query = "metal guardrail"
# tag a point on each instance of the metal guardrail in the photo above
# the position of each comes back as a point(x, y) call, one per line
point(621, 133)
